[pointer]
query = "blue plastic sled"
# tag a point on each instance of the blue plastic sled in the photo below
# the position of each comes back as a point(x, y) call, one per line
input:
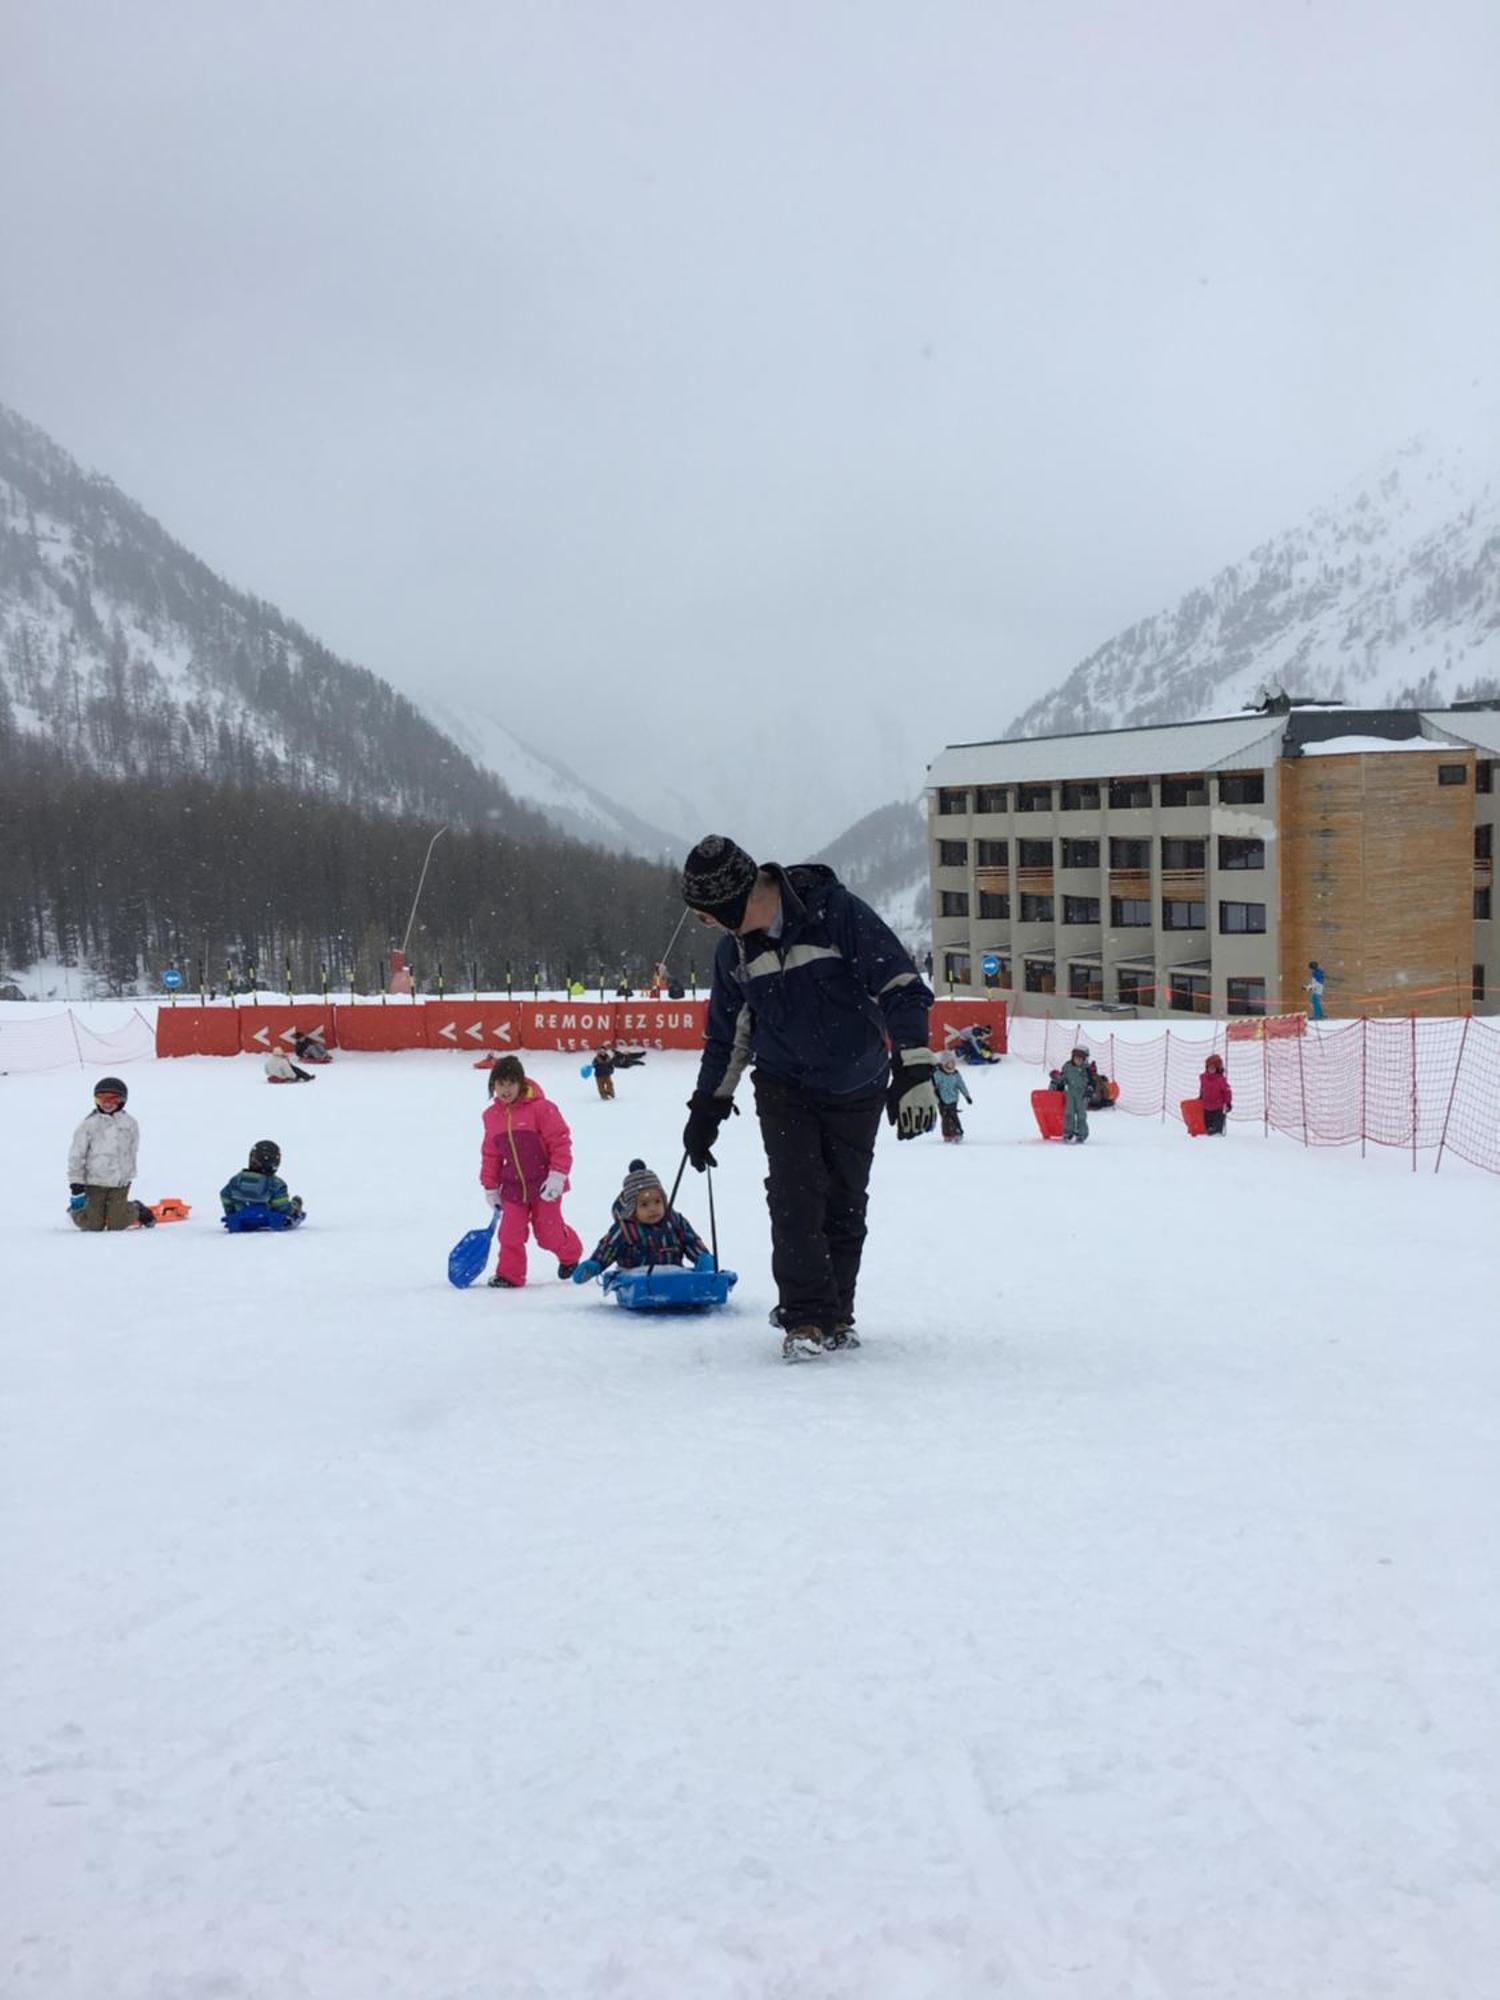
point(256, 1215)
point(471, 1253)
point(667, 1288)
point(587, 1070)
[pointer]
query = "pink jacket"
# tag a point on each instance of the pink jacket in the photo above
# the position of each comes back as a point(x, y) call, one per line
point(523, 1143)
point(1214, 1093)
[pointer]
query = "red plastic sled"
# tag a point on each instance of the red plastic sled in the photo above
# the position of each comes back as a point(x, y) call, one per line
point(1192, 1117)
point(1048, 1106)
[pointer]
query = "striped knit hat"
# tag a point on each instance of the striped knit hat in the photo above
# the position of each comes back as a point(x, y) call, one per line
point(637, 1180)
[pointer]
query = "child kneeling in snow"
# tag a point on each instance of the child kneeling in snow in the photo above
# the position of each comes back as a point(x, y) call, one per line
point(523, 1168)
point(280, 1068)
point(949, 1085)
point(259, 1186)
point(645, 1231)
point(1215, 1095)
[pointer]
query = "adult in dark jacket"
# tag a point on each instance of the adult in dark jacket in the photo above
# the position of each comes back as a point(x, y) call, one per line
point(815, 990)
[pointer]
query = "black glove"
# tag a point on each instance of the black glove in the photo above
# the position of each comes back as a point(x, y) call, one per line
point(910, 1100)
point(77, 1187)
point(706, 1114)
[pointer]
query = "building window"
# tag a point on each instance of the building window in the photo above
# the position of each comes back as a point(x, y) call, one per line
point(1080, 909)
point(1034, 853)
point(953, 854)
point(1241, 853)
point(1033, 798)
point(1040, 976)
point(1478, 977)
point(1085, 982)
point(1135, 986)
point(993, 904)
point(1453, 774)
point(1481, 905)
point(1000, 976)
point(1036, 910)
point(1128, 794)
point(1189, 992)
point(1130, 913)
point(1080, 854)
point(952, 802)
point(992, 853)
point(1189, 791)
point(992, 799)
point(1191, 855)
point(1080, 798)
point(953, 903)
point(1135, 854)
point(1246, 996)
point(1235, 918)
point(1242, 788)
point(956, 968)
point(1484, 777)
point(1178, 914)
point(1484, 843)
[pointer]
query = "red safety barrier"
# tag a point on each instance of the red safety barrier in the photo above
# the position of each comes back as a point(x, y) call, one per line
point(265, 1028)
point(476, 1026)
point(568, 1024)
point(197, 1031)
point(958, 1014)
point(401, 1026)
point(1269, 1028)
point(661, 1024)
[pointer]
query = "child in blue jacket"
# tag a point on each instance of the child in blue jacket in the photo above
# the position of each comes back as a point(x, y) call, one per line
point(645, 1231)
point(258, 1186)
point(949, 1086)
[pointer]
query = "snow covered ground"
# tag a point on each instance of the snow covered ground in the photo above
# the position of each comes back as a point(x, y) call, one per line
point(1120, 1623)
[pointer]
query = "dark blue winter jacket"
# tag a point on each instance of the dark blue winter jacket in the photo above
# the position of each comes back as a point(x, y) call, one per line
point(815, 1005)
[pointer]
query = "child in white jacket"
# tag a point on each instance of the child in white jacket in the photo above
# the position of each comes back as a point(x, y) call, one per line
point(101, 1164)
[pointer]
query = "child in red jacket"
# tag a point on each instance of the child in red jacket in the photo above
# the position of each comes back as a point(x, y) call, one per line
point(1215, 1095)
point(523, 1168)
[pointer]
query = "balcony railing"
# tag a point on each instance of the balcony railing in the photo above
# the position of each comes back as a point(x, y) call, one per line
point(1132, 883)
point(1034, 881)
point(1187, 885)
point(994, 881)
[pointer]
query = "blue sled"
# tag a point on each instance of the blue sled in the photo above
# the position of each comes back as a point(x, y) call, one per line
point(255, 1215)
point(470, 1254)
point(666, 1288)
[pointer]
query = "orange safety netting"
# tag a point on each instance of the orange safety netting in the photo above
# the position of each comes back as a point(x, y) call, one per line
point(1420, 1085)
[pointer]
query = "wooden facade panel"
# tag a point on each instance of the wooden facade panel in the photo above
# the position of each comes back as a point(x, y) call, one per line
point(1376, 864)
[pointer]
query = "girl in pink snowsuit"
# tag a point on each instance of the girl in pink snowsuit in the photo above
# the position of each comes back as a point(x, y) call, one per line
point(523, 1168)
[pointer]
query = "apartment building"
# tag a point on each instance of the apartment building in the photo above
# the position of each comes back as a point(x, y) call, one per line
point(1198, 867)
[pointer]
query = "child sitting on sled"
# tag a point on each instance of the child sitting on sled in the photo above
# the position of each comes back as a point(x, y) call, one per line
point(258, 1186)
point(949, 1085)
point(645, 1231)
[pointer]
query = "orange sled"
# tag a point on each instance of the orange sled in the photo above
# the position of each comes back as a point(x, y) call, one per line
point(1048, 1105)
point(1192, 1117)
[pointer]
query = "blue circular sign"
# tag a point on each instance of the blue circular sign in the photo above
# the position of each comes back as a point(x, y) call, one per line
point(990, 965)
point(171, 979)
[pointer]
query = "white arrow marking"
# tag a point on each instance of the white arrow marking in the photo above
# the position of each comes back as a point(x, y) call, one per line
point(477, 1031)
point(502, 1034)
point(263, 1036)
point(450, 1033)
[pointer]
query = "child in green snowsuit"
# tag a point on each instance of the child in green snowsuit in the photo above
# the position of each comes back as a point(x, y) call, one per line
point(1076, 1084)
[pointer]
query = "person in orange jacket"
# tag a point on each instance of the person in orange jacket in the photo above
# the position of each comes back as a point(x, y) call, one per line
point(523, 1167)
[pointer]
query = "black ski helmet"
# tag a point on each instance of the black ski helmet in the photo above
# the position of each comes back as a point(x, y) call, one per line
point(265, 1156)
point(112, 1083)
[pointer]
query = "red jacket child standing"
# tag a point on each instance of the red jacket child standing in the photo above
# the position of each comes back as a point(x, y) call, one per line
point(523, 1168)
point(1215, 1095)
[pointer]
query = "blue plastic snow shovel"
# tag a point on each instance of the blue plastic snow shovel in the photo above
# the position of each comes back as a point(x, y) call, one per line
point(471, 1253)
point(587, 1070)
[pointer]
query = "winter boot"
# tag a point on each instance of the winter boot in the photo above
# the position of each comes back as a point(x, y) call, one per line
point(841, 1334)
point(497, 1283)
point(144, 1216)
point(803, 1343)
point(566, 1270)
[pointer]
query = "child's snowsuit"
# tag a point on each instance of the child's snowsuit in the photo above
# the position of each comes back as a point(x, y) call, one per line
point(633, 1245)
point(1216, 1098)
point(101, 1160)
point(949, 1084)
point(280, 1068)
point(264, 1190)
point(1076, 1084)
point(604, 1073)
point(523, 1143)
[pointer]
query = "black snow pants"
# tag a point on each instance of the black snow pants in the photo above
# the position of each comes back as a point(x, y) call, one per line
point(818, 1150)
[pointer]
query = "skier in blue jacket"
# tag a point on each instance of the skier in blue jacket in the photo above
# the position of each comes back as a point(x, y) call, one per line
point(814, 989)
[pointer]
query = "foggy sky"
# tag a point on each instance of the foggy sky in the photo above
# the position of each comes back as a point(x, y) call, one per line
point(632, 369)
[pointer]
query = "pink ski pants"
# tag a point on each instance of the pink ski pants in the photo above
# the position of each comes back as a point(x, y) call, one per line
point(545, 1218)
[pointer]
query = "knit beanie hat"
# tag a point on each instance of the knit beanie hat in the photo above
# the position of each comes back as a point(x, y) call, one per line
point(637, 1180)
point(717, 878)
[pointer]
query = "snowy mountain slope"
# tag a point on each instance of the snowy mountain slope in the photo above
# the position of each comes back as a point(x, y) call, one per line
point(127, 655)
point(573, 806)
point(1389, 595)
point(883, 858)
